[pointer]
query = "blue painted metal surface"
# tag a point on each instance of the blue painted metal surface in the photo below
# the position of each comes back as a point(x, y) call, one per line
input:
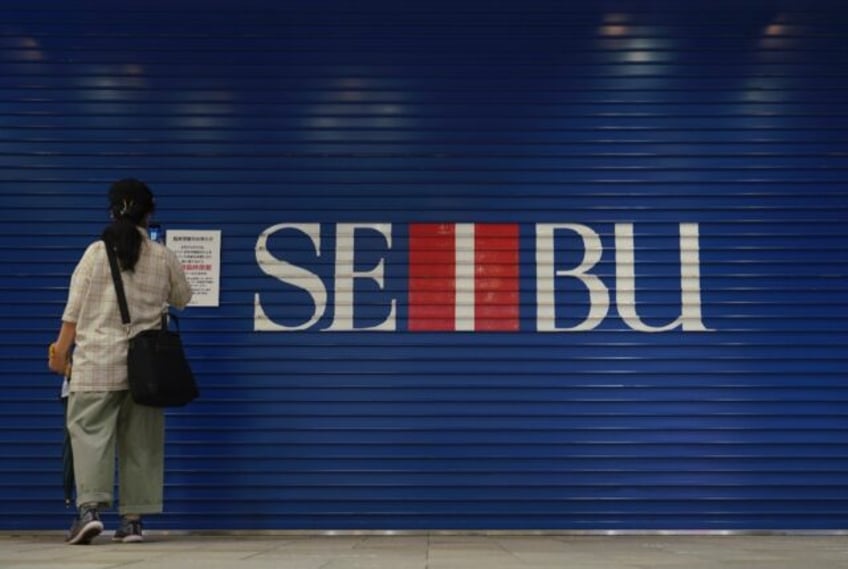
point(728, 116)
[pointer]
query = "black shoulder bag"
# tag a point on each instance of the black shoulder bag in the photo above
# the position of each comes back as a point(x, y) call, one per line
point(159, 374)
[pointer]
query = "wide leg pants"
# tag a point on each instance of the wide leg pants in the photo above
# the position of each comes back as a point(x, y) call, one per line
point(98, 422)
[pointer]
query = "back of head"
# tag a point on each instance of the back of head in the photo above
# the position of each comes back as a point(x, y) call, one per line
point(130, 204)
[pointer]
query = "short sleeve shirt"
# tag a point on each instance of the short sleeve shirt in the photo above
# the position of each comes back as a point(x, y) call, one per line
point(100, 355)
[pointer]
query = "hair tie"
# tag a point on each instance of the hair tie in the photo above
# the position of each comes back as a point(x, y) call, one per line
point(125, 208)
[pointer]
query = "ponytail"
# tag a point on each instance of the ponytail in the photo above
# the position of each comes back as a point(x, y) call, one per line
point(130, 202)
point(125, 240)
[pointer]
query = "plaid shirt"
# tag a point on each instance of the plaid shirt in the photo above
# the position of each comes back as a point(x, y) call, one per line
point(100, 355)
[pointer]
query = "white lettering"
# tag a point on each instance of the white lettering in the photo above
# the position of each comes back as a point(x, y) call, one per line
point(548, 277)
point(546, 272)
point(291, 274)
point(465, 274)
point(345, 275)
point(690, 318)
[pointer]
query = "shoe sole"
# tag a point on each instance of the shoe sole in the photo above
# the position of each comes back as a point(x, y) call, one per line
point(128, 539)
point(89, 531)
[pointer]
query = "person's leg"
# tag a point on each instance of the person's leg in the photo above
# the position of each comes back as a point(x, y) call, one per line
point(91, 421)
point(141, 446)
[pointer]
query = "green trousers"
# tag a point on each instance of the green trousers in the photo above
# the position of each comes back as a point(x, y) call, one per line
point(101, 421)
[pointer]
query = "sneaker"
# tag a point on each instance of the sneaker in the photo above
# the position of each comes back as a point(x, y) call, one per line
point(129, 532)
point(85, 528)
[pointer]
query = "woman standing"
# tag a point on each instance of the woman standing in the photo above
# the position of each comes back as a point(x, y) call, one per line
point(101, 412)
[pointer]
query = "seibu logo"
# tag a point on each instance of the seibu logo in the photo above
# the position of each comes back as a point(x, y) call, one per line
point(467, 277)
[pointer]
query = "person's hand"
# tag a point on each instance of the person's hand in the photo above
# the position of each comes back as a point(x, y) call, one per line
point(58, 360)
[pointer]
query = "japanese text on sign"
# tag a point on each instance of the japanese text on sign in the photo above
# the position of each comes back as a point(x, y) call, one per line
point(199, 251)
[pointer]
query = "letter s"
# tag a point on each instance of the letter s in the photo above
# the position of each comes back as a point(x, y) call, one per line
point(291, 274)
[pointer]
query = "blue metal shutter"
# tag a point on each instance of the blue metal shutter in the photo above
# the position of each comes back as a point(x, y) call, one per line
point(243, 116)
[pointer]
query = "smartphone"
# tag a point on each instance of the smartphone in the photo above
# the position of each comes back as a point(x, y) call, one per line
point(154, 230)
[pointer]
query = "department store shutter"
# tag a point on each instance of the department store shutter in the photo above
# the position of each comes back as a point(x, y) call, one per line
point(453, 127)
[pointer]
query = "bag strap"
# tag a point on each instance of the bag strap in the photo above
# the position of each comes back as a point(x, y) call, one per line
point(119, 283)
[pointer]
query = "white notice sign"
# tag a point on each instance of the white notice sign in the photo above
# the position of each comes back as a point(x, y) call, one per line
point(200, 254)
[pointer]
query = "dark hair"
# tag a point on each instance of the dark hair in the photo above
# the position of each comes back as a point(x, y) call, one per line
point(130, 202)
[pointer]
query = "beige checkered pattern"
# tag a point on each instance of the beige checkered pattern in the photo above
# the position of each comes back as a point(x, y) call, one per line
point(100, 356)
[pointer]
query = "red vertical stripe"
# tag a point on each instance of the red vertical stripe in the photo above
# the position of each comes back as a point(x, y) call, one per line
point(496, 277)
point(432, 276)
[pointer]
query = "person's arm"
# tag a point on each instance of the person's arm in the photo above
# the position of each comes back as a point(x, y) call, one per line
point(60, 350)
point(180, 293)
